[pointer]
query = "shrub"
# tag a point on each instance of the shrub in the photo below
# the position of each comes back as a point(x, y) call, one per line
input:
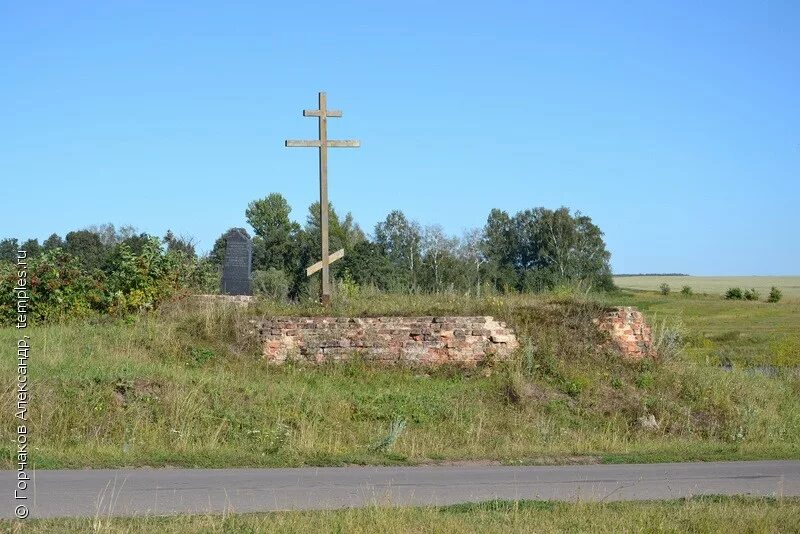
point(664, 288)
point(272, 284)
point(774, 295)
point(61, 286)
point(686, 291)
point(575, 386)
point(751, 294)
point(734, 293)
point(646, 380)
point(58, 288)
point(143, 281)
point(199, 356)
point(669, 339)
point(346, 287)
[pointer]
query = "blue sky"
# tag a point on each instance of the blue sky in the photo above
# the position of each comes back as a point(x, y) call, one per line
point(675, 126)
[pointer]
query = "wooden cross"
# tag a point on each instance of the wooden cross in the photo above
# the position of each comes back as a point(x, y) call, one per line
point(323, 143)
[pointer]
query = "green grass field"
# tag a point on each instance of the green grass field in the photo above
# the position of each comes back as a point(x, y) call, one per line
point(706, 514)
point(181, 387)
point(718, 331)
point(714, 285)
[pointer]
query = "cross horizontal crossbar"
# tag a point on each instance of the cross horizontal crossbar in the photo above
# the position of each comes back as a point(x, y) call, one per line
point(318, 113)
point(339, 254)
point(349, 143)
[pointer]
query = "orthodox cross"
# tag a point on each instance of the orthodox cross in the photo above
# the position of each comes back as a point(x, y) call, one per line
point(323, 143)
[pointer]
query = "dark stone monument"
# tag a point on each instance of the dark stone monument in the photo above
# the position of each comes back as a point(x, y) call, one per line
point(237, 263)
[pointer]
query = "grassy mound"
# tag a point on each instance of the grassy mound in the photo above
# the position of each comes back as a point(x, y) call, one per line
point(185, 387)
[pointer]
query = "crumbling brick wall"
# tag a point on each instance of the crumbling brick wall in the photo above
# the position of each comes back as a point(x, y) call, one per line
point(423, 340)
point(629, 331)
point(389, 340)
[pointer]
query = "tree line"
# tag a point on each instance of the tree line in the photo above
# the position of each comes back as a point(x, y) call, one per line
point(104, 269)
point(532, 250)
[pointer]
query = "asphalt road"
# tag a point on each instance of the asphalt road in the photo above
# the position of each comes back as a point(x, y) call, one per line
point(101, 492)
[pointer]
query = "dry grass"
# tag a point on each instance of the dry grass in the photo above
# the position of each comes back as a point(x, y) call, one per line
point(185, 387)
point(708, 514)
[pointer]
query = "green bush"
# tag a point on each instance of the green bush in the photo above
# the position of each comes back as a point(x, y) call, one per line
point(775, 295)
point(686, 291)
point(199, 356)
point(646, 380)
point(272, 284)
point(57, 288)
point(575, 386)
point(664, 288)
point(62, 286)
point(734, 293)
point(751, 294)
point(142, 281)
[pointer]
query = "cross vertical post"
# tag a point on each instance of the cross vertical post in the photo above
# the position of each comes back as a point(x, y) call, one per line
point(323, 197)
point(322, 144)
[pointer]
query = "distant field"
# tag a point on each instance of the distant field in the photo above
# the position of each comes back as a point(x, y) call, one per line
point(789, 285)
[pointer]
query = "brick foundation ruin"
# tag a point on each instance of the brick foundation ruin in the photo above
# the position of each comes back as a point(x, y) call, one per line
point(465, 341)
point(412, 340)
point(630, 333)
